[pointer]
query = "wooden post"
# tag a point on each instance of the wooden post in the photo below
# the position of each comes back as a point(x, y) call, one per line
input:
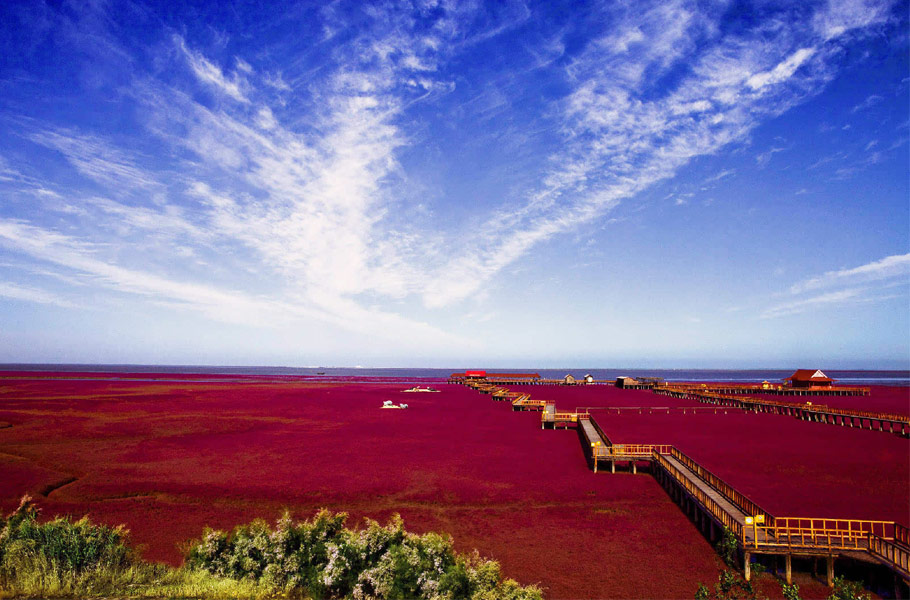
point(747, 567)
point(634, 468)
point(788, 568)
point(612, 466)
point(830, 578)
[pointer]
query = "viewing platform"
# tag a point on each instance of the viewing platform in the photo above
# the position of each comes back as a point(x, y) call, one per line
point(524, 402)
point(554, 418)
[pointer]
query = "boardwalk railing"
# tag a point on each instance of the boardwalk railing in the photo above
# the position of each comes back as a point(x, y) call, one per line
point(896, 555)
point(902, 535)
point(600, 431)
point(773, 389)
point(875, 416)
point(723, 517)
point(728, 491)
point(527, 402)
point(643, 451)
point(829, 534)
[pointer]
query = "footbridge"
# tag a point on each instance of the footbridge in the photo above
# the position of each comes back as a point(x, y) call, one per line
point(714, 505)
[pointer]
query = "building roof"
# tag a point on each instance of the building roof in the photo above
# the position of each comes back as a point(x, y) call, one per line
point(813, 375)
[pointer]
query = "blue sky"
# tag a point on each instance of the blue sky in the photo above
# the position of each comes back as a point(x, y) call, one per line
point(670, 184)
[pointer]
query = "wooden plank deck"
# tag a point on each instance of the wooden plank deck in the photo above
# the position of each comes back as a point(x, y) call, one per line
point(591, 434)
point(719, 500)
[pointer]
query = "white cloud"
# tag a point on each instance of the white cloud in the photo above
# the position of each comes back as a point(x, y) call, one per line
point(840, 16)
point(783, 71)
point(96, 158)
point(310, 200)
point(621, 136)
point(722, 175)
point(230, 306)
point(890, 267)
point(858, 285)
point(870, 101)
point(30, 294)
point(827, 299)
point(765, 157)
point(209, 73)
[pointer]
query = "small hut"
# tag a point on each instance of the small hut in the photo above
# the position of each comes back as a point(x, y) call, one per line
point(626, 382)
point(589, 378)
point(809, 378)
point(569, 380)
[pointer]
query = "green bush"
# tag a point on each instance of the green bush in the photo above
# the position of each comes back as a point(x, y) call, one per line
point(727, 546)
point(730, 586)
point(318, 558)
point(324, 559)
point(847, 590)
point(59, 556)
point(790, 592)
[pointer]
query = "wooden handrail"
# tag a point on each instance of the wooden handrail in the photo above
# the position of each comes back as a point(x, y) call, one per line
point(901, 535)
point(600, 431)
point(895, 555)
point(851, 528)
point(642, 450)
point(725, 518)
point(729, 492)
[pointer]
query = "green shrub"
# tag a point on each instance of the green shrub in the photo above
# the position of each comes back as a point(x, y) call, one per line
point(59, 556)
point(847, 590)
point(324, 559)
point(790, 592)
point(730, 586)
point(317, 558)
point(727, 547)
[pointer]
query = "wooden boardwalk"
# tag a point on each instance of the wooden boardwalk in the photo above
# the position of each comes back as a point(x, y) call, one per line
point(714, 505)
point(805, 411)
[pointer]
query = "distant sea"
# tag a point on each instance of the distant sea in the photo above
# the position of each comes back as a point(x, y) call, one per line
point(865, 377)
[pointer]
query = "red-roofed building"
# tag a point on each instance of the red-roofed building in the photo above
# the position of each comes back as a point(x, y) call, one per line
point(809, 378)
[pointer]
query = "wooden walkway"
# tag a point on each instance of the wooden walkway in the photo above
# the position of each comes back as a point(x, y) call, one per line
point(714, 505)
point(806, 411)
point(771, 389)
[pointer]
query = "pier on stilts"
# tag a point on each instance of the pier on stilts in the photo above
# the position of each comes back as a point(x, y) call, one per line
point(715, 506)
point(807, 411)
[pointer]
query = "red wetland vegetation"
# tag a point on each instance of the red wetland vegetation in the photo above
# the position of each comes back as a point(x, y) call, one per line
point(168, 454)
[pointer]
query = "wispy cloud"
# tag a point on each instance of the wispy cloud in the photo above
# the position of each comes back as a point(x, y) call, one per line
point(621, 135)
point(31, 294)
point(869, 102)
point(765, 157)
point(863, 284)
point(890, 267)
point(306, 191)
point(95, 158)
point(212, 75)
point(802, 305)
point(722, 175)
point(230, 306)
